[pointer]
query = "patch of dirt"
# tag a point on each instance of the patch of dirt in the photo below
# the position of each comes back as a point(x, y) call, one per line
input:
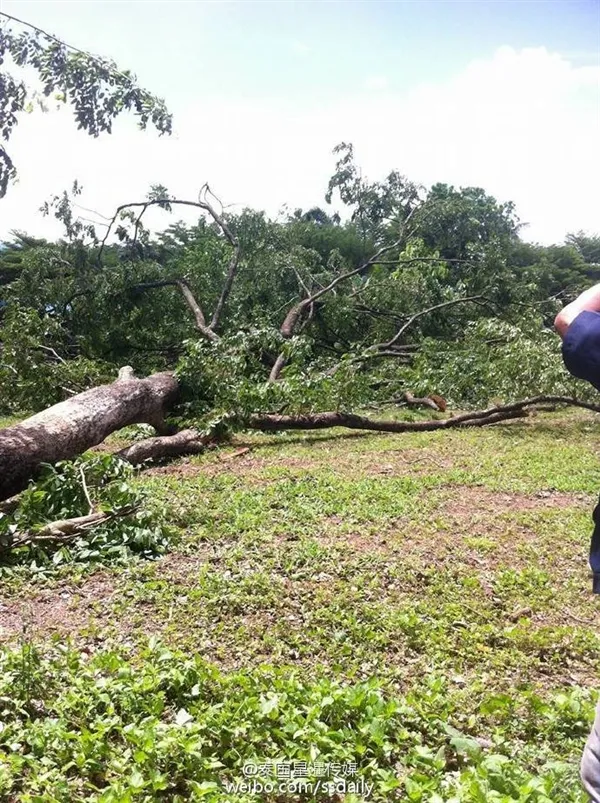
point(70, 610)
point(184, 569)
point(250, 464)
point(181, 468)
point(389, 463)
point(376, 543)
point(448, 536)
point(247, 466)
point(65, 609)
point(469, 501)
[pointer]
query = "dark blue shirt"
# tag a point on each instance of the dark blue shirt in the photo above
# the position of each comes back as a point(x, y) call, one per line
point(581, 355)
point(581, 347)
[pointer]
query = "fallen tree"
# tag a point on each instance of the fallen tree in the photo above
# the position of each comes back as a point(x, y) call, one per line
point(260, 320)
point(71, 427)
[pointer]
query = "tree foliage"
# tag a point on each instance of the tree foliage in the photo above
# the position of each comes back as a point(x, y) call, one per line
point(68, 490)
point(428, 291)
point(409, 288)
point(94, 87)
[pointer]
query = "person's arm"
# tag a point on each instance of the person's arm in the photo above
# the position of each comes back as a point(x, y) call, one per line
point(589, 301)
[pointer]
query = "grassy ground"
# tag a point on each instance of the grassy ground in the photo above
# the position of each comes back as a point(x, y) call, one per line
point(418, 605)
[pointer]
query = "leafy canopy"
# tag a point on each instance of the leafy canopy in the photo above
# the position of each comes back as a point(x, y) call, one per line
point(466, 305)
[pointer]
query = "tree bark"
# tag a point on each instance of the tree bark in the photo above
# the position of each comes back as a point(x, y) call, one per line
point(69, 428)
point(272, 423)
point(188, 441)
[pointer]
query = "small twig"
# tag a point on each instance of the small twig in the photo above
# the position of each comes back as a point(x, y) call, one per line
point(474, 611)
point(93, 211)
point(85, 489)
point(52, 352)
point(238, 453)
point(570, 615)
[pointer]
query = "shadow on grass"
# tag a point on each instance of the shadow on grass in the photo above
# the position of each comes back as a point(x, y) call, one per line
point(567, 428)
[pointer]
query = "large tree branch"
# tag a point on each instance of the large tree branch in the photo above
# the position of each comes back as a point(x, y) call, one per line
point(191, 441)
point(432, 259)
point(477, 418)
point(235, 257)
point(296, 313)
point(390, 343)
point(273, 423)
point(143, 205)
point(277, 368)
point(196, 310)
point(190, 299)
point(391, 348)
point(288, 326)
point(188, 441)
point(232, 268)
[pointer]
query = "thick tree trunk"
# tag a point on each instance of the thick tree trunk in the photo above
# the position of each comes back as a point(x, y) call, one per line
point(69, 428)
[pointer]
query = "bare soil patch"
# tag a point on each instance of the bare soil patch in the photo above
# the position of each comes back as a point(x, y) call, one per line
point(469, 527)
point(248, 466)
point(250, 463)
point(70, 610)
point(65, 609)
point(467, 501)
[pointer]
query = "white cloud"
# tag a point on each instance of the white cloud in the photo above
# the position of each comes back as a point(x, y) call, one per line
point(375, 82)
point(300, 48)
point(522, 124)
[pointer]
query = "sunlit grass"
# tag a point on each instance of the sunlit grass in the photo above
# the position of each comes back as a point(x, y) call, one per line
point(443, 567)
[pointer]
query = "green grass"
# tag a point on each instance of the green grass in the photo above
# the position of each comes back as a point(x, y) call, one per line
point(9, 420)
point(418, 605)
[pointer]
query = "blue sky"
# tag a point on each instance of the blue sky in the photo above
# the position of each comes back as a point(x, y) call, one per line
point(262, 47)
point(501, 94)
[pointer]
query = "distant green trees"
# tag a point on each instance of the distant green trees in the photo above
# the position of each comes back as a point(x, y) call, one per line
point(587, 246)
